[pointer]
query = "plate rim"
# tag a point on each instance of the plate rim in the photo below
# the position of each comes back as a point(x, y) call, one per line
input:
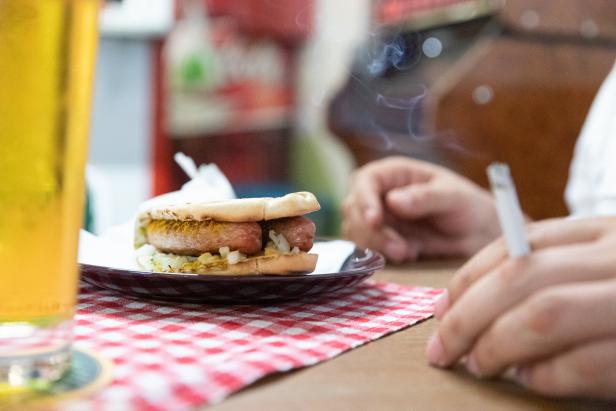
point(375, 261)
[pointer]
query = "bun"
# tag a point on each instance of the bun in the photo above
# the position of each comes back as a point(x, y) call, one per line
point(238, 210)
point(287, 263)
point(280, 264)
point(291, 205)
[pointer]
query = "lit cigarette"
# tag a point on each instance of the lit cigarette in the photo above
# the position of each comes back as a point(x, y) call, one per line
point(508, 208)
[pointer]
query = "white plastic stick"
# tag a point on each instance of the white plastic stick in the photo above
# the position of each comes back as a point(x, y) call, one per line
point(508, 209)
point(187, 164)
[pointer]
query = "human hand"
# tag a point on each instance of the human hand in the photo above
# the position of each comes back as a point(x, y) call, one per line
point(550, 314)
point(408, 208)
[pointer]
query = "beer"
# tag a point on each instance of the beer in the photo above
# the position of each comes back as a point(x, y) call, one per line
point(47, 50)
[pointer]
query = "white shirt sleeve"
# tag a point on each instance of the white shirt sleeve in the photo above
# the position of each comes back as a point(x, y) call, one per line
point(591, 189)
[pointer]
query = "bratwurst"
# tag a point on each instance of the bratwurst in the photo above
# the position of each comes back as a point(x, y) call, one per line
point(299, 231)
point(197, 237)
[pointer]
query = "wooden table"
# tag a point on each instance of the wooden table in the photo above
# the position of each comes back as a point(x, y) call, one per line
point(392, 374)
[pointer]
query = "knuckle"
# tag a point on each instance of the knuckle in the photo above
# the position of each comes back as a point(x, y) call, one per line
point(538, 235)
point(490, 347)
point(393, 160)
point(362, 175)
point(588, 371)
point(487, 356)
point(459, 283)
point(510, 272)
point(370, 167)
point(497, 248)
point(494, 350)
point(544, 311)
point(464, 280)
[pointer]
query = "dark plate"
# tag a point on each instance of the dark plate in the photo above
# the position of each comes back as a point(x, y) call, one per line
point(360, 265)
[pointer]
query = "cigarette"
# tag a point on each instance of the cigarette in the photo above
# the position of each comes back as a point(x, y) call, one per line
point(508, 209)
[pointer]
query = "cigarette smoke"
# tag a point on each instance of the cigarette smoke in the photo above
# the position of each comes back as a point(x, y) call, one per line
point(383, 103)
point(388, 100)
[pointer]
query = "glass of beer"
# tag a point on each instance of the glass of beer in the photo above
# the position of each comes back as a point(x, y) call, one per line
point(47, 53)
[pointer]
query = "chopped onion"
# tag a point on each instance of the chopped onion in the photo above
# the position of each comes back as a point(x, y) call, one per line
point(170, 262)
point(224, 251)
point(235, 257)
point(145, 256)
point(281, 243)
point(146, 250)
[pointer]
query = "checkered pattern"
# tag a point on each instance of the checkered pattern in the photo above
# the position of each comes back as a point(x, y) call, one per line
point(32, 338)
point(173, 356)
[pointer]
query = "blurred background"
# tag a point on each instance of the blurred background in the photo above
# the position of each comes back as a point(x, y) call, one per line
point(288, 95)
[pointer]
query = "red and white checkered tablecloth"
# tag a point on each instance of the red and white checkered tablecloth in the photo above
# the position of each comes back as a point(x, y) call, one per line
point(179, 356)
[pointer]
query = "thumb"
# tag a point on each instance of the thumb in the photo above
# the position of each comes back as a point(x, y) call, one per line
point(420, 201)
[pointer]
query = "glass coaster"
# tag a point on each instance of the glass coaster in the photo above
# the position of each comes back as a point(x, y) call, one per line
point(88, 373)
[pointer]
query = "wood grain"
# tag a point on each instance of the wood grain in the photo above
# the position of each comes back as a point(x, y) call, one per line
point(392, 374)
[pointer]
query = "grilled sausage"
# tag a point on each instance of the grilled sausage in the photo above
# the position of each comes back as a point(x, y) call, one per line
point(299, 231)
point(198, 237)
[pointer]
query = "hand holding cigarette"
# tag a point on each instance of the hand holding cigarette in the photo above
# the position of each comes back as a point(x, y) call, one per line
point(543, 316)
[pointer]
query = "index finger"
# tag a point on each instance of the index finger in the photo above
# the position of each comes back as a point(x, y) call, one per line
point(543, 234)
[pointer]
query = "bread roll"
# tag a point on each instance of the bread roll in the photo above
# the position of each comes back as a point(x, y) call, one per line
point(239, 210)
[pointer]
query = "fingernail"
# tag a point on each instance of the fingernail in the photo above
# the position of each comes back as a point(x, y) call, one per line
point(434, 351)
point(472, 366)
point(441, 305)
point(521, 376)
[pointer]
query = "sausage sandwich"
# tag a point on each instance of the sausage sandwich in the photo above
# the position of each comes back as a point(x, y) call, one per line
point(233, 237)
